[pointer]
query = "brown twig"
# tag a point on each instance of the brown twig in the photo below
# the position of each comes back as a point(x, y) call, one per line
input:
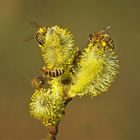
point(53, 130)
point(51, 137)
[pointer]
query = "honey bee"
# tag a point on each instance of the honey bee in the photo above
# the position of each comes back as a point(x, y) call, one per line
point(53, 72)
point(38, 82)
point(40, 35)
point(103, 38)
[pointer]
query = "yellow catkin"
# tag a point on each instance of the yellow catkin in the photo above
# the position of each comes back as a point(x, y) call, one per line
point(47, 105)
point(95, 72)
point(58, 48)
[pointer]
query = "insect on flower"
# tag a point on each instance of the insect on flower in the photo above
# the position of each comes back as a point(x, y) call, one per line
point(38, 82)
point(103, 38)
point(97, 68)
point(39, 35)
point(52, 72)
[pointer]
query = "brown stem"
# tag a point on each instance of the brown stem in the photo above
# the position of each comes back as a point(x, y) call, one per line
point(51, 137)
point(53, 130)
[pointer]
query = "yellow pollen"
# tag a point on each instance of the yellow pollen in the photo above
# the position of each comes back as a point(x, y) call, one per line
point(41, 29)
point(103, 44)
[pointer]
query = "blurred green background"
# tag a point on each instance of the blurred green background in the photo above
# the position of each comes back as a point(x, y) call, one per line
point(114, 115)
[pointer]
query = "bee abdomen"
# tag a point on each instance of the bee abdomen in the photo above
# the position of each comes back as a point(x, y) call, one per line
point(40, 38)
point(53, 73)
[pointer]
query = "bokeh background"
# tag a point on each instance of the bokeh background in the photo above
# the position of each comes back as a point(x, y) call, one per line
point(114, 115)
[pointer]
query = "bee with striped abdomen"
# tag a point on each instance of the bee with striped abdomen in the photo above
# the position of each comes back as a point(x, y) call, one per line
point(40, 35)
point(38, 82)
point(52, 72)
point(103, 38)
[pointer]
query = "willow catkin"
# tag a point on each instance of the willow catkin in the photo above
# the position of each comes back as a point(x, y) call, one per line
point(47, 105)
point(97, 69)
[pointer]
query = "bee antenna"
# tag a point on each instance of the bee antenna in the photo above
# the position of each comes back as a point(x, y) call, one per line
point(108, 27)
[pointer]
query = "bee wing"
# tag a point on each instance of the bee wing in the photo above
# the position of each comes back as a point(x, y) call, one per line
point(106, 29)
point(32, 36)
point(29, 37)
